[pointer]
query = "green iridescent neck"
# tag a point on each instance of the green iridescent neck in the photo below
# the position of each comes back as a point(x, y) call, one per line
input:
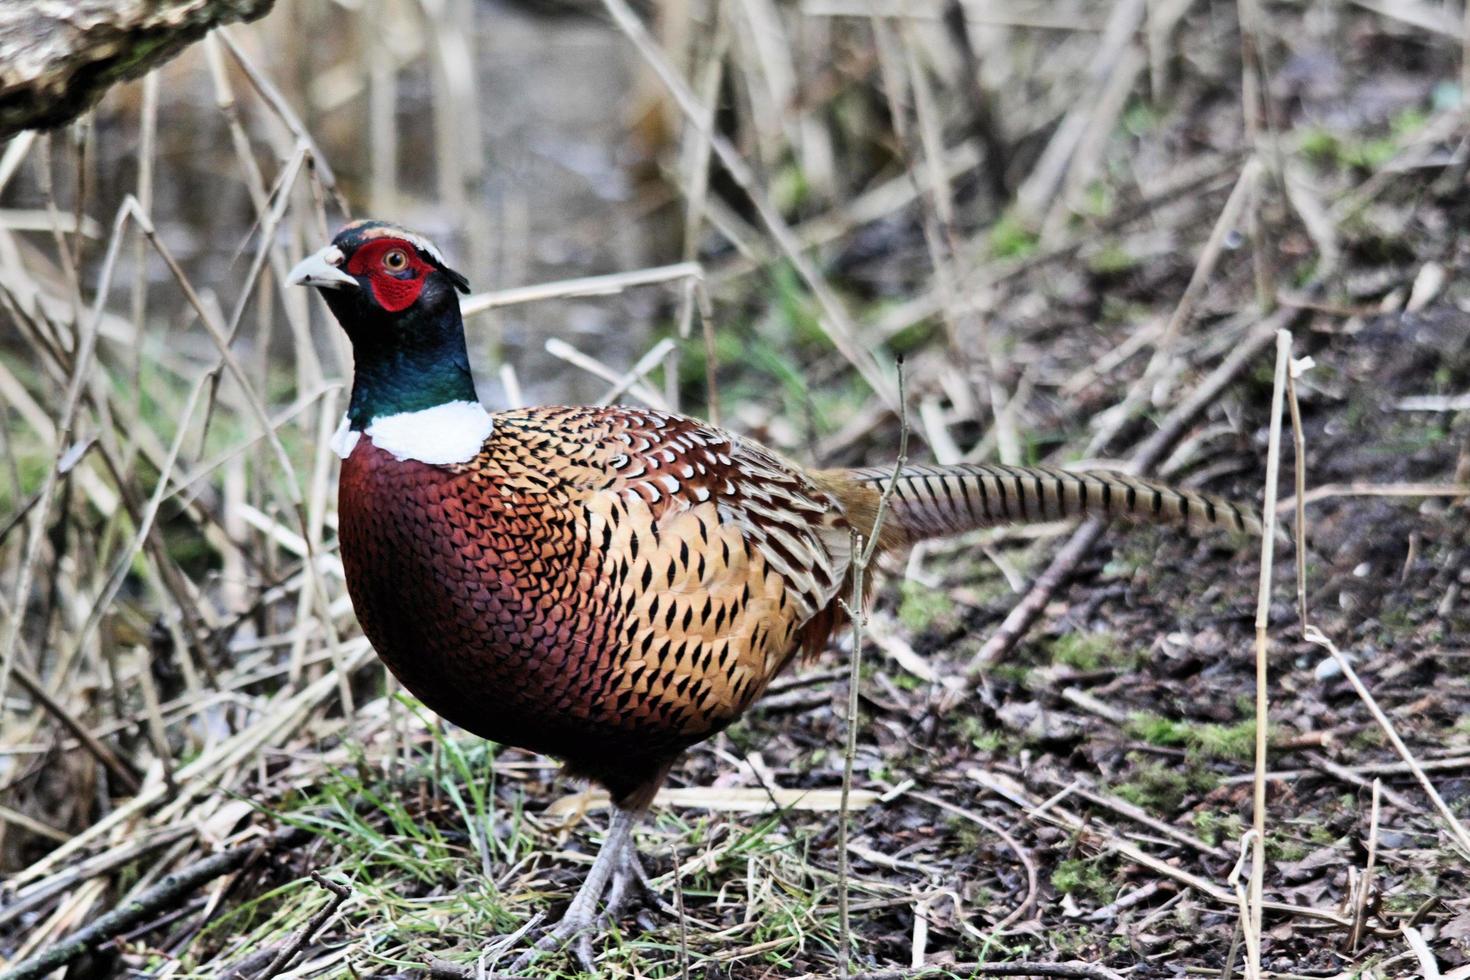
point(406, 363)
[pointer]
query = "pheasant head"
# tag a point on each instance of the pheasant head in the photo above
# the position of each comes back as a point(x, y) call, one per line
point(397, 300)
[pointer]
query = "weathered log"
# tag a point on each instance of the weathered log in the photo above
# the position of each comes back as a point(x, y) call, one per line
point(57, 57)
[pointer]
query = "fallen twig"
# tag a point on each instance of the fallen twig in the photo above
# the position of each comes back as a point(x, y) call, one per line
point(340, 894)
point(165, 894)
point(1016, 968)
point(120, 768)
point(1326, 491)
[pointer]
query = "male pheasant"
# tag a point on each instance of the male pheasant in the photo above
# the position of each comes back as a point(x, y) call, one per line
point(608, 586)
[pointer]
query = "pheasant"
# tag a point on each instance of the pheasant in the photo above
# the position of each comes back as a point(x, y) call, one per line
point(609, 585)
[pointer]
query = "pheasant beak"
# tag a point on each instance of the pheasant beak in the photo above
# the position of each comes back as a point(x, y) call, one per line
point(321, 269)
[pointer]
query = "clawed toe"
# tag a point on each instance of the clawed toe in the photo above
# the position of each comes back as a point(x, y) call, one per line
point(573, 932)
point(651, 896)
point(576, 930)
point(615, 877)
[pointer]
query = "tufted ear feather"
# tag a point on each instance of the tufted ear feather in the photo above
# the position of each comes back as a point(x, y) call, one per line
point(433, 256)
point(460, 282)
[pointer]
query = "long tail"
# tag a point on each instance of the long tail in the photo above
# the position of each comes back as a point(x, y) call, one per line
point(933, 501)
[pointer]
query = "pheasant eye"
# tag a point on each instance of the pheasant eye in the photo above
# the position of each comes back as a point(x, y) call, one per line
point(396, 260)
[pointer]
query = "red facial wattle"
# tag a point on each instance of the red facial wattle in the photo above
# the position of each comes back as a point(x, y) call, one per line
point(394, 290)
point(394, 294)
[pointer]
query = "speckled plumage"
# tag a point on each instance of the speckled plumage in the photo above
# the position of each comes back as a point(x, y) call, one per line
point(607, 586)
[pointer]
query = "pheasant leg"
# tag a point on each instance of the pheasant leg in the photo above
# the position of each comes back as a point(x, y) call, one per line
point(607, 876)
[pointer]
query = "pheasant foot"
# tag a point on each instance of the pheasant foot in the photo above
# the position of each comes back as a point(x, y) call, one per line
point(615, 878)
point(631, 879)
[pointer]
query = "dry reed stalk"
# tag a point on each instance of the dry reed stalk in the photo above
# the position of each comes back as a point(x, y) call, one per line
point(153, 711)
point(1255, 899)
point(217, 332)
point(1028, 864)
point(281, 108)
point(977, 14)
point(610, 284)
point(1153, 386)
point(382, 129)
point(66, 258)
point(316, 594)
point(27, 822)
point(1456, 829)
point(194, 779)
point(286, 416)
point(1457, 832)
point(1141, 817)
point(694, 169)
point(1454, 763)
point(1042, 184)
point(1101, 124)
point(1253, 106)
point(126, 775)
point(711, 357)
point(172, 582)
point(19, 401)
point(16, 151)
point(1163, 18)
point(863, 550)
point(1365, 882)
point(561, 349)
point(942, 239)
point(693, 174)
point(1245, 931)
point(1417, 13)
point(990, 274)
point(1352, 778)
point(660, 351)
point(458, 159)
point(1428, 966)
point(1315, 217)
point(108, 591)
point(1329, 491)
point(268, 217)
point(836, 321)
point(880, 201)
point(130, 914)
point(71, 399)
point(147, 138)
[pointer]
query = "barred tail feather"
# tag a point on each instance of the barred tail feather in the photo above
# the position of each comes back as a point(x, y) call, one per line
point(933, 501)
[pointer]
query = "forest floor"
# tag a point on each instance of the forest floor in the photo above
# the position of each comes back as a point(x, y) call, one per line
point(1081, 799)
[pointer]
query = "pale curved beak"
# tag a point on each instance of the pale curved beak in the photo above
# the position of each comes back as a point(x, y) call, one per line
point(321, 269)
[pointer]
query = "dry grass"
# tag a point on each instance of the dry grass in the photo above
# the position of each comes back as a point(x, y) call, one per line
point(1084, 228)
